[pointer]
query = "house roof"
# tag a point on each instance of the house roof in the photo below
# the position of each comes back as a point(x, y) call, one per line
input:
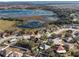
point(60, 49)
point(57, 41)
point(16, 54)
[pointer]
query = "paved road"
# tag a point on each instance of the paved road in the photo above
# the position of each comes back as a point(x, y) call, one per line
point(6, 38)
point(64, 29)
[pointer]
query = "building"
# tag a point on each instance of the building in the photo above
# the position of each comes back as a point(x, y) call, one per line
point(44, 46)
point(3, 53)
point(76, 34)
point(68, 39)
point(73, 17)
point(60, 49)
point(15, 54)
point(26, 36)
point(38, 36)
point(57, 41)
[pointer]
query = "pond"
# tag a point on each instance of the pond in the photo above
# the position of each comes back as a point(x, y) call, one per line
point(31, 24)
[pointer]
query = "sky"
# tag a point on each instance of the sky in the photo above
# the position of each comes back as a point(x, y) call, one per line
point(35, 0)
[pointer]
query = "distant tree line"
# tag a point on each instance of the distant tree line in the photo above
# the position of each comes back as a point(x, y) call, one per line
point(10, 19)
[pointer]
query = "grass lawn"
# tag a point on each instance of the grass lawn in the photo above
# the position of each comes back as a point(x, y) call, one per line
point(6, 25)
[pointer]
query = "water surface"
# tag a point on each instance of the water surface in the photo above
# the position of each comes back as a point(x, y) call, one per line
point(19, 13)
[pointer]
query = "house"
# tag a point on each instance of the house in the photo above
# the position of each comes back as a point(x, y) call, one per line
point(26, 36)
point(76, 34)
point(50, 39)
point(48, 34)
point(38, 36)
point(47, 47)
point(13, 40)
point(15, 54)
point(4, 35)
point(1, 34)
point(2, 53)
point(60, 49)
point(73, 17)
point(57, 41)
point(44, 46)
point(68, 39)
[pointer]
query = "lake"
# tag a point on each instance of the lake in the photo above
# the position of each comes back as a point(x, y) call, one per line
point(26, 13)
point(19, 13)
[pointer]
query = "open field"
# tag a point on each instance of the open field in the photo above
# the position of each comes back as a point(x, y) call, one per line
point(6, 25)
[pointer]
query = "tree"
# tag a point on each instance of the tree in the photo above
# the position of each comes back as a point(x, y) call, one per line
point(76, 54)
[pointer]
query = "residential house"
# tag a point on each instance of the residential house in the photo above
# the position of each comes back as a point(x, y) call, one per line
point(2, 53)
point(68, 39)
point(76, 34)
point(38, 36)
point(60, 49)
point(57, 41)
point(44, 46)
point(26, 36)
point(15, 54)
